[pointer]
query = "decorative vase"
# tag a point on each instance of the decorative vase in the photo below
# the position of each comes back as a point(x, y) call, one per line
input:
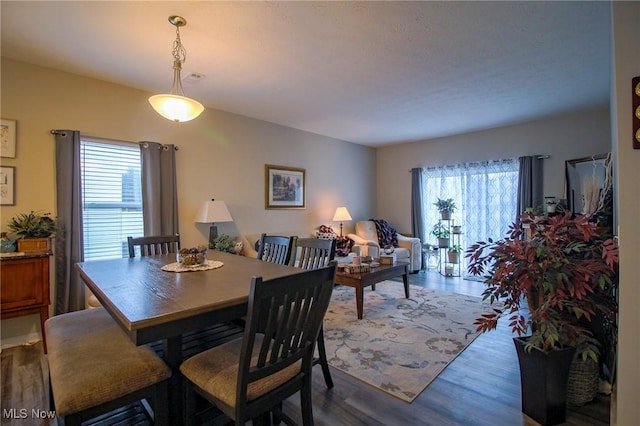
point(7, 245)
point(543, 377)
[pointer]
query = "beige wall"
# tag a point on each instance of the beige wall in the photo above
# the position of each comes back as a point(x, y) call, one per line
point(221, 155)
point(626, 65)
point(563, 138)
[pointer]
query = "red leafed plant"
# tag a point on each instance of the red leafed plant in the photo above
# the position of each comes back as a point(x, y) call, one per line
point(563, 268)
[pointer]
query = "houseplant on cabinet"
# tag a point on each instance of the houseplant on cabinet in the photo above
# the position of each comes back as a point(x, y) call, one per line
point(566, 272)
point(33, 230)
point(445, 207)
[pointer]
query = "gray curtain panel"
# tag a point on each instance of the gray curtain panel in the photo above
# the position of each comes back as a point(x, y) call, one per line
point(529, 183)
point(417, 207)
point(159, 189)
point(69, 237)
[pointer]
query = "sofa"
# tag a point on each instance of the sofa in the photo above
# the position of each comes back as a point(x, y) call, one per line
point(366, 240)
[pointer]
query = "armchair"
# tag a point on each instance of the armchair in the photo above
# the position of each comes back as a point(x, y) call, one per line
point(366, 241)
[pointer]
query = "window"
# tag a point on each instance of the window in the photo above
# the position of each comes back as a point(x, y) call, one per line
point(485, 195)
point(111, 197)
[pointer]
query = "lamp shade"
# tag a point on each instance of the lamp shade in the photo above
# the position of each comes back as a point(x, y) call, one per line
point(213, 211)
point(341, 214)
point(175, 107)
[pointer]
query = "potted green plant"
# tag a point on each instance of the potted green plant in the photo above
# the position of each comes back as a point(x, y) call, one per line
point(445, 207)
point(537, 211)
point(224, 243)
point(551, 285)
point(33, 231)
point(454, 253)
point(442, 233)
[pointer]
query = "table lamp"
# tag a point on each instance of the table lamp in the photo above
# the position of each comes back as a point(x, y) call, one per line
point(341, 215)
point(211, 212)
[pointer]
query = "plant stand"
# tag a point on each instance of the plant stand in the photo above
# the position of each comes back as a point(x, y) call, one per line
point(543, 377)
point(446, 268)
point(431, 255)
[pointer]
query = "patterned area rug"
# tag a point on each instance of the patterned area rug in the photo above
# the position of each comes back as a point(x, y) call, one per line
point(401, 345)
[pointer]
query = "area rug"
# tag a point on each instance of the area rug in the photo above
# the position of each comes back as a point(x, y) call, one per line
point(401, 345)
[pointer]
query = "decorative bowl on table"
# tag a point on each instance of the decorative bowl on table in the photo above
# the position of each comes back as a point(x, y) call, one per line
point(194, 256)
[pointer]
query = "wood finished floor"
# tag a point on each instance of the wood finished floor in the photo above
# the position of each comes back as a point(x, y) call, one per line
point(480, 387)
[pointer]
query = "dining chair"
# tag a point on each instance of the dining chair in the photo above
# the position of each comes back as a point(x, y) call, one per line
point(276, 248)
point(312, 253)
point(153, 245)
point(94, 368)
point(147, 246)
point(248, 377)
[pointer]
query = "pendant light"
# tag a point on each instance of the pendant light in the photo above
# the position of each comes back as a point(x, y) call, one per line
point(176, 106)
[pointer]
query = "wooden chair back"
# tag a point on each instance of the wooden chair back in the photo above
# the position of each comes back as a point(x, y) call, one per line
point(276, 249)
point(312, 253)
point(290, 309)
point(154, 245)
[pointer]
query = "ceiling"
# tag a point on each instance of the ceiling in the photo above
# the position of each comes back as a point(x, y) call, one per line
point(372, 73)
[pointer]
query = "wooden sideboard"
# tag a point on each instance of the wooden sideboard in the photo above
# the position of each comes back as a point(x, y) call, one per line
point(25, 287)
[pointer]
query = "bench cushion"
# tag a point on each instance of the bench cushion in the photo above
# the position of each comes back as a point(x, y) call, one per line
point(92, 361)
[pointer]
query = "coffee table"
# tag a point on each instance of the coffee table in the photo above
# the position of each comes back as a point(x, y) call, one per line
point(365, 279)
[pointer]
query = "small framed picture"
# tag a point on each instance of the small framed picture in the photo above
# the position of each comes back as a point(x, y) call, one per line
point(284, 187)
point(7, 186)
point(8, 138)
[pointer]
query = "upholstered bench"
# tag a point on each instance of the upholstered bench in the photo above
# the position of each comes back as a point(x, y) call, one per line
point(94, 368)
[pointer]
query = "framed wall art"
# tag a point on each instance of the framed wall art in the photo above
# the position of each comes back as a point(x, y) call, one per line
point(8, 138)
point(7, 185)
point(284, 187)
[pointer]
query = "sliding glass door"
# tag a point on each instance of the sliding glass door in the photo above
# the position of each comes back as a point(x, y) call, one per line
point(485, 195)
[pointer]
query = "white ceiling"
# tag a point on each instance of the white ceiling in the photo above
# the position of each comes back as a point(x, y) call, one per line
point(373, 73)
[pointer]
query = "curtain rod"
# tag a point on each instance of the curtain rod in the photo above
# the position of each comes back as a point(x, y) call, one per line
point(539, 156)
point(145, 144)
point(113, 141)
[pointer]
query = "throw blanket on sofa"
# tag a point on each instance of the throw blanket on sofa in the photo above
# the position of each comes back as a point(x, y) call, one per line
point(343, 244)
point(387, 236)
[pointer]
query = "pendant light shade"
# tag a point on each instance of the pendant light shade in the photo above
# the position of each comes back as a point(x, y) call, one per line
point(176, 106)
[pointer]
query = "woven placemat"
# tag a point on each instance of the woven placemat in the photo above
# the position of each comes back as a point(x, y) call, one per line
point(177, 267)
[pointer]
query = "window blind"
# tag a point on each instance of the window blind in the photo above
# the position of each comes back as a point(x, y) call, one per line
point(111, 197)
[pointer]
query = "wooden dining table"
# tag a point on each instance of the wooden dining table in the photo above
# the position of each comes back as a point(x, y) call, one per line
point(152, 305)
